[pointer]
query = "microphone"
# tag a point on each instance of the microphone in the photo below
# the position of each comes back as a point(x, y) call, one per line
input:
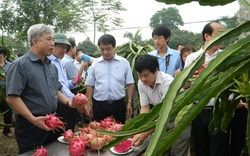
point(86, 58)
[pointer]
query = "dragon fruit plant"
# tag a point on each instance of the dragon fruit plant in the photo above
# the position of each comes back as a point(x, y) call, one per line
point(40, 152)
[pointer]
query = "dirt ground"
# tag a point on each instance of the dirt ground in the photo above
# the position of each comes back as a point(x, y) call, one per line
point(8, 146)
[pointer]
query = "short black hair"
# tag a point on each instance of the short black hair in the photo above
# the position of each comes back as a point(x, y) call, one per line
point(107, 39)
point(179, 44)
point(146, 61)
point(208, 29)
point(162, 30)
point(3, 50)
point(72, 42)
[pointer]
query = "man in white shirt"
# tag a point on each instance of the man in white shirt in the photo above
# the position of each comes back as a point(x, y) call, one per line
point(153, 85)
point(207, 144)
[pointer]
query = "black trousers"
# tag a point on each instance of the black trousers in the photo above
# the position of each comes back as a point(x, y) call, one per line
point(7, 116)
point(103, 109)
point(207, 144)
point(29, 137)
point(238, 131)
point(67, 115)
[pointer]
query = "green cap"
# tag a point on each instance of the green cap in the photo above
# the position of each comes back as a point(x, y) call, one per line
point(61, 39)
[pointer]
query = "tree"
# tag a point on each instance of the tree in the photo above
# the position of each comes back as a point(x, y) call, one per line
point(87, 46)
point(169, 17)
point(229, 22)
point(136, 38)
point(17, 16)
point(16, 45)
point(186, 38)
point(101, 15)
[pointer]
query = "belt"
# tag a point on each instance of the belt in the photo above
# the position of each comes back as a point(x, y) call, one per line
point(110, 101)
point(208, 108)
point(114, 101)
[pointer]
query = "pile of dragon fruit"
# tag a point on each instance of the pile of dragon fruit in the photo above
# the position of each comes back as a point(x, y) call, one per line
point(88, 137)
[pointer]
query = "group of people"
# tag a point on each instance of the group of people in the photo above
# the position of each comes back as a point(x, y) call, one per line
point(42, 82)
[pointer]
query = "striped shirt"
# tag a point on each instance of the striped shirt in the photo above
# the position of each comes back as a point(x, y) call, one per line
point(109, 78)
point(35, 82)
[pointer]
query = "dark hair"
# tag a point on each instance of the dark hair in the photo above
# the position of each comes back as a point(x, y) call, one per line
point(179, 44)
point(208, 29)
point(187, 48)
point(72, 42)
point(3, 50)
point(162, 30)
point(146, 62)
point(106, 39)
point(77, 50)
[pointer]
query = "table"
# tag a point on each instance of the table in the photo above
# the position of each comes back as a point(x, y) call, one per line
point(60, 149)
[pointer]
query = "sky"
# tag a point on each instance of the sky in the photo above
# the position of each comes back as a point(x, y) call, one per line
point(139, 12)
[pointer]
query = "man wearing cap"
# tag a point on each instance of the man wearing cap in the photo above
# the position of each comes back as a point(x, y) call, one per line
point(61, 46)
point(33, 90)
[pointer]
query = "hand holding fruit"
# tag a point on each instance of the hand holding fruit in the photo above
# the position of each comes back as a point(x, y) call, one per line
point(77, 80)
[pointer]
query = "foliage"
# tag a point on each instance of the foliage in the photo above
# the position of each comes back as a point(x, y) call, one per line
point(17, 16)
point(101, 15)
point(173, 20)
point(186, 38)
point(215, 81)
point(169, 17)
point(87, 46)
point(18, 46)
point(229, 22)
point(242, 87)
point(11, 57)
point(136, 38)
point(201, 2)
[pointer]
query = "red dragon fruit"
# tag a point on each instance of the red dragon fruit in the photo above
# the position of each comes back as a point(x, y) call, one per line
point(115, 127)
point(68, 135)
point(97, 143)
point(95, 125)
point(123, 146)
point(77, 147)
point(54, 122)
point(107, 122)
point(40, 152)
point(80, 99)
point(197, 72)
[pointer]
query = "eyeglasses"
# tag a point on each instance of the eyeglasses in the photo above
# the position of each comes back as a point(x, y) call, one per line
point(158, 38)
